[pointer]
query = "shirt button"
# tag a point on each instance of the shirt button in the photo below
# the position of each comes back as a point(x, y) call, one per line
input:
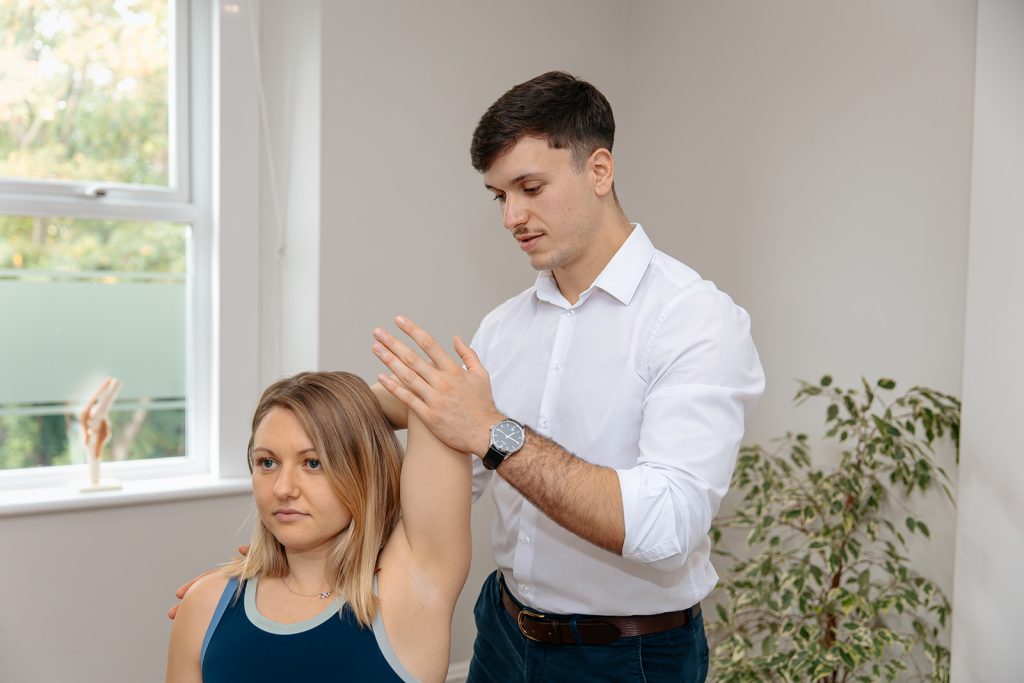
point(525, 539)
point(543, 422)
point(572, 312)
point(558, 367)
point(525, 589)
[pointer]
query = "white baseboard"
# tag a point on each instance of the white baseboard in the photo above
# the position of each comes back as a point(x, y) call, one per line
point(457, 672)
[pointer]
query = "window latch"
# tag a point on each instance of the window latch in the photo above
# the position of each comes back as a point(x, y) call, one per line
point(93, 192)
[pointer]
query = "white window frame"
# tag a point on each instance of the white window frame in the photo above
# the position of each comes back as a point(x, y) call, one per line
point(213, 174)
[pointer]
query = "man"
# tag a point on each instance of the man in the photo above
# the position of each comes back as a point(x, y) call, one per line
point(634, 377)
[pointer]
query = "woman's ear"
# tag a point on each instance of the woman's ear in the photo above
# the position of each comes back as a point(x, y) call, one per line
point(601, 167)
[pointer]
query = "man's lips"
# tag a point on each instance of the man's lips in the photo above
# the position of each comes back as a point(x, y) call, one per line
point(528, 240)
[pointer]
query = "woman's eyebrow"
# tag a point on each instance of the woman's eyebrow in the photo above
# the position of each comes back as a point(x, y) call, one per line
point(311, 449)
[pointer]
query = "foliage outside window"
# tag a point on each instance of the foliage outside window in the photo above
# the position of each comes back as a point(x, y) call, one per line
point(84, 90)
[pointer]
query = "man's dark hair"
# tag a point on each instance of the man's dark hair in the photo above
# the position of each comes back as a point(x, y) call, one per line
point(569, 113)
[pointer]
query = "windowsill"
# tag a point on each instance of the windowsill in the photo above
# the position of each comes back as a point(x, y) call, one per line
point(139, 492)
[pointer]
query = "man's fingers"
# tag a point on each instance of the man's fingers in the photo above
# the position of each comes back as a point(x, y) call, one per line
point(411, 400)
point(412, 379)
point(426, 342)
point(468, 355)
point(173, 612)
point(180, 593)
point(410, 358)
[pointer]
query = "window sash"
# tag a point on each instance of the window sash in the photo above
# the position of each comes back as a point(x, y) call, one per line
point(187, 199)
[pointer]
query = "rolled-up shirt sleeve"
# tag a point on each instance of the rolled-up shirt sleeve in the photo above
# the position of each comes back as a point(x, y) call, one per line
point(703, 377)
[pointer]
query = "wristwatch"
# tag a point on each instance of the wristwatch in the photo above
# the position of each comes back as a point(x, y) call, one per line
point(507, 437)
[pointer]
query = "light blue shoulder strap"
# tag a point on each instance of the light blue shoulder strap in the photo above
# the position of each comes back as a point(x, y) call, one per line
point(222, 605)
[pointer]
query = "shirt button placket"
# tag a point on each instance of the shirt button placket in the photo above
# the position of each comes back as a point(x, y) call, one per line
point(530, 518)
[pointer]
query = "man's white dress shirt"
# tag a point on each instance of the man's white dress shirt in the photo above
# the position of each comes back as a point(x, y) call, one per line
point(652, 372)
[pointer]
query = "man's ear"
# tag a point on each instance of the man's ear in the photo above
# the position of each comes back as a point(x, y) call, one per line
point(601, 167)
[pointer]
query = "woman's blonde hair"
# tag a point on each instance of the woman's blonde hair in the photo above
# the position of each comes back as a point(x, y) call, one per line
point(361, 458)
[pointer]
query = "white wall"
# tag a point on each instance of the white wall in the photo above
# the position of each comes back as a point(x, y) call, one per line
point(812, 158)
point(988, 595)
point(84, 594)
point(290, 188)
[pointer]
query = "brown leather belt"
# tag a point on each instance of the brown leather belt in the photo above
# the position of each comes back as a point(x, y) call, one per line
point(592, 630)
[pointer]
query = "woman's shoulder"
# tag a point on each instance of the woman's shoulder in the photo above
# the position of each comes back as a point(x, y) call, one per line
point(190, 625)
point(202, 598)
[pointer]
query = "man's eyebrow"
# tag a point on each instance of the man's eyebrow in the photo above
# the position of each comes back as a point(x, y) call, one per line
point(515, 181)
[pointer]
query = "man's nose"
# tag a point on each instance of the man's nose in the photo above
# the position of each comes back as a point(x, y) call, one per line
point(515, 214)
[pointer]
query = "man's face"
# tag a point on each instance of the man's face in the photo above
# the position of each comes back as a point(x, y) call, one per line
point(550, 208)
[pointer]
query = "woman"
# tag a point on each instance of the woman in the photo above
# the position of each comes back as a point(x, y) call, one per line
point(345, 578)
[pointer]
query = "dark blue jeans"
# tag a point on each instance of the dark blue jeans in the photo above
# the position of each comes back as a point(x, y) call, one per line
point(502, 654)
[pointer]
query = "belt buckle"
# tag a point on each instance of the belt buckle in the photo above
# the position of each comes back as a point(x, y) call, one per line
point(519, 620)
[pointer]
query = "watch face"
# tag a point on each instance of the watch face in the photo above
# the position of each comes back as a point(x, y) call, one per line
point(507, 436)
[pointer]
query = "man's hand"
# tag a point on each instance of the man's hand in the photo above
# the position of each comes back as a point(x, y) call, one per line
point(455, 403)
point(180, 593)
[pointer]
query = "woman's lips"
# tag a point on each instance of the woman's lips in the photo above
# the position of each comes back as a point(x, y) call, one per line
point(289, 515)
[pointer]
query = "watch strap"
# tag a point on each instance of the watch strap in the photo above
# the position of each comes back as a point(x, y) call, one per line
point(493, 458)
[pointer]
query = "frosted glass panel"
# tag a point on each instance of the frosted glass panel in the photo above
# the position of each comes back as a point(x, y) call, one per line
point(81, 300)
point(60, 339)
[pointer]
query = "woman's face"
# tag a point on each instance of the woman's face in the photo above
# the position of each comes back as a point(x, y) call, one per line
point(293, 496)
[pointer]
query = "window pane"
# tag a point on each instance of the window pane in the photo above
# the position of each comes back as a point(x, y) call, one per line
point(84, 90)
point(81, 300)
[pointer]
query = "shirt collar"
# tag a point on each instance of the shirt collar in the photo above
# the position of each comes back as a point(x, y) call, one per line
point(620, 277)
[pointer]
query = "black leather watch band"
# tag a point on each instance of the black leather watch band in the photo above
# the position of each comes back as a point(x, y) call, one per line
point(493, 458)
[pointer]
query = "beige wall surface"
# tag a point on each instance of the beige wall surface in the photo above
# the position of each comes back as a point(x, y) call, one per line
point(812, 158)
point(85, 594)
point(988, 595)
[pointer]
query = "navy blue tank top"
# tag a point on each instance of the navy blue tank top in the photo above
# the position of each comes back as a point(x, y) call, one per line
point(243, 645)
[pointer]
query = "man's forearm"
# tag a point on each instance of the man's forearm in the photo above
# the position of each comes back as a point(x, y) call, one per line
point(580, 496)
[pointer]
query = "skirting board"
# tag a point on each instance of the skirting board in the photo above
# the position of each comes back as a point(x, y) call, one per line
point(457, 672)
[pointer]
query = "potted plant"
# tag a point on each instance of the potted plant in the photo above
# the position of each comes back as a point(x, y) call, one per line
point(823, 589)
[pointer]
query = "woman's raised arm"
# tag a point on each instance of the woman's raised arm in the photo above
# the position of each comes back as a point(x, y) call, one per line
point(436, 492)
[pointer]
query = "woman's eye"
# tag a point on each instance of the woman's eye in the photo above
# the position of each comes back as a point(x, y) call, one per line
point(499, 197)
point(532, 190)
point(313, 464)
point(265, 463)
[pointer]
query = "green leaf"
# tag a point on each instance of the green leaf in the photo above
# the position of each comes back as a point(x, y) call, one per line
point(886, 383)
point(833, 412)
point(826, 380)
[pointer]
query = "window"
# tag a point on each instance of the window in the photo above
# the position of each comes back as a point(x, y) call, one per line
point(104, 244)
